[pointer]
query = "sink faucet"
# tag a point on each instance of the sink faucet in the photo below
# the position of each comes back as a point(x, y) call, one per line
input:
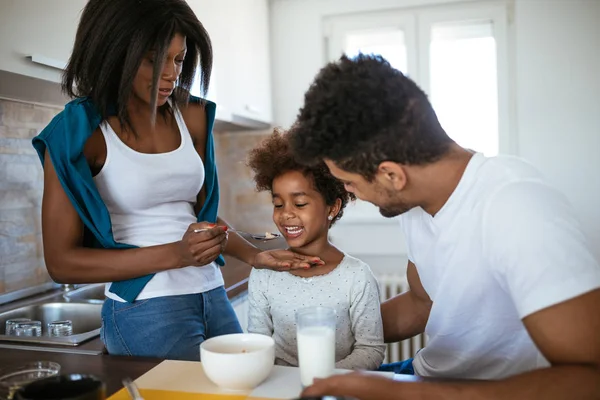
point(67, 287)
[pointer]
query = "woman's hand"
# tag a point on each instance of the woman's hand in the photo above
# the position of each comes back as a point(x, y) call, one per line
point(284, 260)
point(201, 248)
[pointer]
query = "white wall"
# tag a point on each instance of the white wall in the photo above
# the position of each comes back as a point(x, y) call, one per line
point(558, 99)
point(557, 83)
point(298, 48)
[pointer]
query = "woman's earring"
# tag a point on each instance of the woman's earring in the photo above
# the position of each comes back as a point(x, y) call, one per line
point(330, 217)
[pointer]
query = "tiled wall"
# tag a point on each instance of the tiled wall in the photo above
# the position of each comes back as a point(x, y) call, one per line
point(21, 183)
point(240, 205)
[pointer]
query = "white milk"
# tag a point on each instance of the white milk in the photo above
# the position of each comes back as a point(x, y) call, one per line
point(316, 353)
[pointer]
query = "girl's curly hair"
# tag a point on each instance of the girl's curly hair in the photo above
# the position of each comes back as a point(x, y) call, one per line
point(274, 157)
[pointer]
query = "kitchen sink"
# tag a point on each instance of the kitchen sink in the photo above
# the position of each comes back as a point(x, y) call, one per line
point(93, 294)
point(85, 317)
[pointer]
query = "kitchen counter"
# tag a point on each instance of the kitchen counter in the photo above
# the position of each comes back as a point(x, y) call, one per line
point(235, 275)
point(110, 369)
point(236, 282)
point(91, 347)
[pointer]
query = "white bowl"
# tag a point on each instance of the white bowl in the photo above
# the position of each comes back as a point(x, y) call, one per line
point(240, 361)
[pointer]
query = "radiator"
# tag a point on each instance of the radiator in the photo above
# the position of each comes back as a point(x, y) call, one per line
point(389, 286)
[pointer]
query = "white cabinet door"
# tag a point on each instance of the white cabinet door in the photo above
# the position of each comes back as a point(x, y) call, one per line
point(251, 59)
point(241, 79)
point(240, 306)
point(44, 29)
point(213, 16)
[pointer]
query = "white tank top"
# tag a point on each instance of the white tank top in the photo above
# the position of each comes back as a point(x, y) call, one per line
point(150, 198)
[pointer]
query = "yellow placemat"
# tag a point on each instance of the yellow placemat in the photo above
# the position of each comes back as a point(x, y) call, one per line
point(186, 380)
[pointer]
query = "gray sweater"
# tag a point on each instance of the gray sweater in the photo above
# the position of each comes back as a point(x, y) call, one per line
point(350, 288)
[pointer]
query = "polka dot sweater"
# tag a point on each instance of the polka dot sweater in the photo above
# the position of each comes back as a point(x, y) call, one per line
point(351, 289)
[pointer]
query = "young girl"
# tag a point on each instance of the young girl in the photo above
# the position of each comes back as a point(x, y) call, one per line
point(307, 201)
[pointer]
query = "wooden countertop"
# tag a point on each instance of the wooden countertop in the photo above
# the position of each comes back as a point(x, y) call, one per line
point(110, 369)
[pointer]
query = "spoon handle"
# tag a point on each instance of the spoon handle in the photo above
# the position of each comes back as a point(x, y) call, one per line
point(266, 236)
point(132, 389)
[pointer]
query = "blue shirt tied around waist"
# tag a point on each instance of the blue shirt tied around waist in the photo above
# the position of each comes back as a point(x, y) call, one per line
point(65, 138)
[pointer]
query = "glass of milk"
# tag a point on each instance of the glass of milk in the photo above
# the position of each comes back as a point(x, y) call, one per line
point(316, 343)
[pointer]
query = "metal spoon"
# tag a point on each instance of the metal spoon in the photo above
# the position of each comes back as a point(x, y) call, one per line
point(132, 389)
point(265, 237)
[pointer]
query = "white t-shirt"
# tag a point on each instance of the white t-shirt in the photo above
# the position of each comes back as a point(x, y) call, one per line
point(504, 246)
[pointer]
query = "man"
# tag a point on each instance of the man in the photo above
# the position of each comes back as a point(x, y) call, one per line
point(501, 278)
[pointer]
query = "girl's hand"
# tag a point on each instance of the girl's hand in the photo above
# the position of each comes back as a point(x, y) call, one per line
point(284, 260)
point(201, 248)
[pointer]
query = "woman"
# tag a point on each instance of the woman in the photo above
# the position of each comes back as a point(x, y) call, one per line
point(129, 175)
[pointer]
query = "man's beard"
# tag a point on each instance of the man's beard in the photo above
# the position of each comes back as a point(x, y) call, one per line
point(394, 206)
point(395, 210)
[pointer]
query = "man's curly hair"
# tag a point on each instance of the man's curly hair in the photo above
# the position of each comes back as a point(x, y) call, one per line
point(273, 157)
point(360, 112)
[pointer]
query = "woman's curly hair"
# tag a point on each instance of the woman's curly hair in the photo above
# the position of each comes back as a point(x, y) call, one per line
point(273, 157)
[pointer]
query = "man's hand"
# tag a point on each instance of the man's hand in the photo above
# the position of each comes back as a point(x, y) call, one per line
point(284, 260)
point(354, 384)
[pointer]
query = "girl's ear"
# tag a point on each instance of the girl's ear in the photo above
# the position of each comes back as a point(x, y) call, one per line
point(334, 209)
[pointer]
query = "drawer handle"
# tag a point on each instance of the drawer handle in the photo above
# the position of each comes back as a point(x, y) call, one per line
point(252, 109)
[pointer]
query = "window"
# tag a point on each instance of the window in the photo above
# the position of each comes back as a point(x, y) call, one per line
point(456, 54)
point(459, 60)
point(388, 42)
point(464, 83)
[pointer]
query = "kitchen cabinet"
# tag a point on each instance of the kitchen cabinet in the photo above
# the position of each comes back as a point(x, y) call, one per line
point(240, 83)
point(44, 29)
point(241, 306)
point(239, 30)
point(251, 59)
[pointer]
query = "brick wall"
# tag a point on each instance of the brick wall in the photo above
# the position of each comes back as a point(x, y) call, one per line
point(240, 204)
point(21, 184)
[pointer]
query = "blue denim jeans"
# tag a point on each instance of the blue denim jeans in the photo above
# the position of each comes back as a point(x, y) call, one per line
point(401, 367)
point(169, 327)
